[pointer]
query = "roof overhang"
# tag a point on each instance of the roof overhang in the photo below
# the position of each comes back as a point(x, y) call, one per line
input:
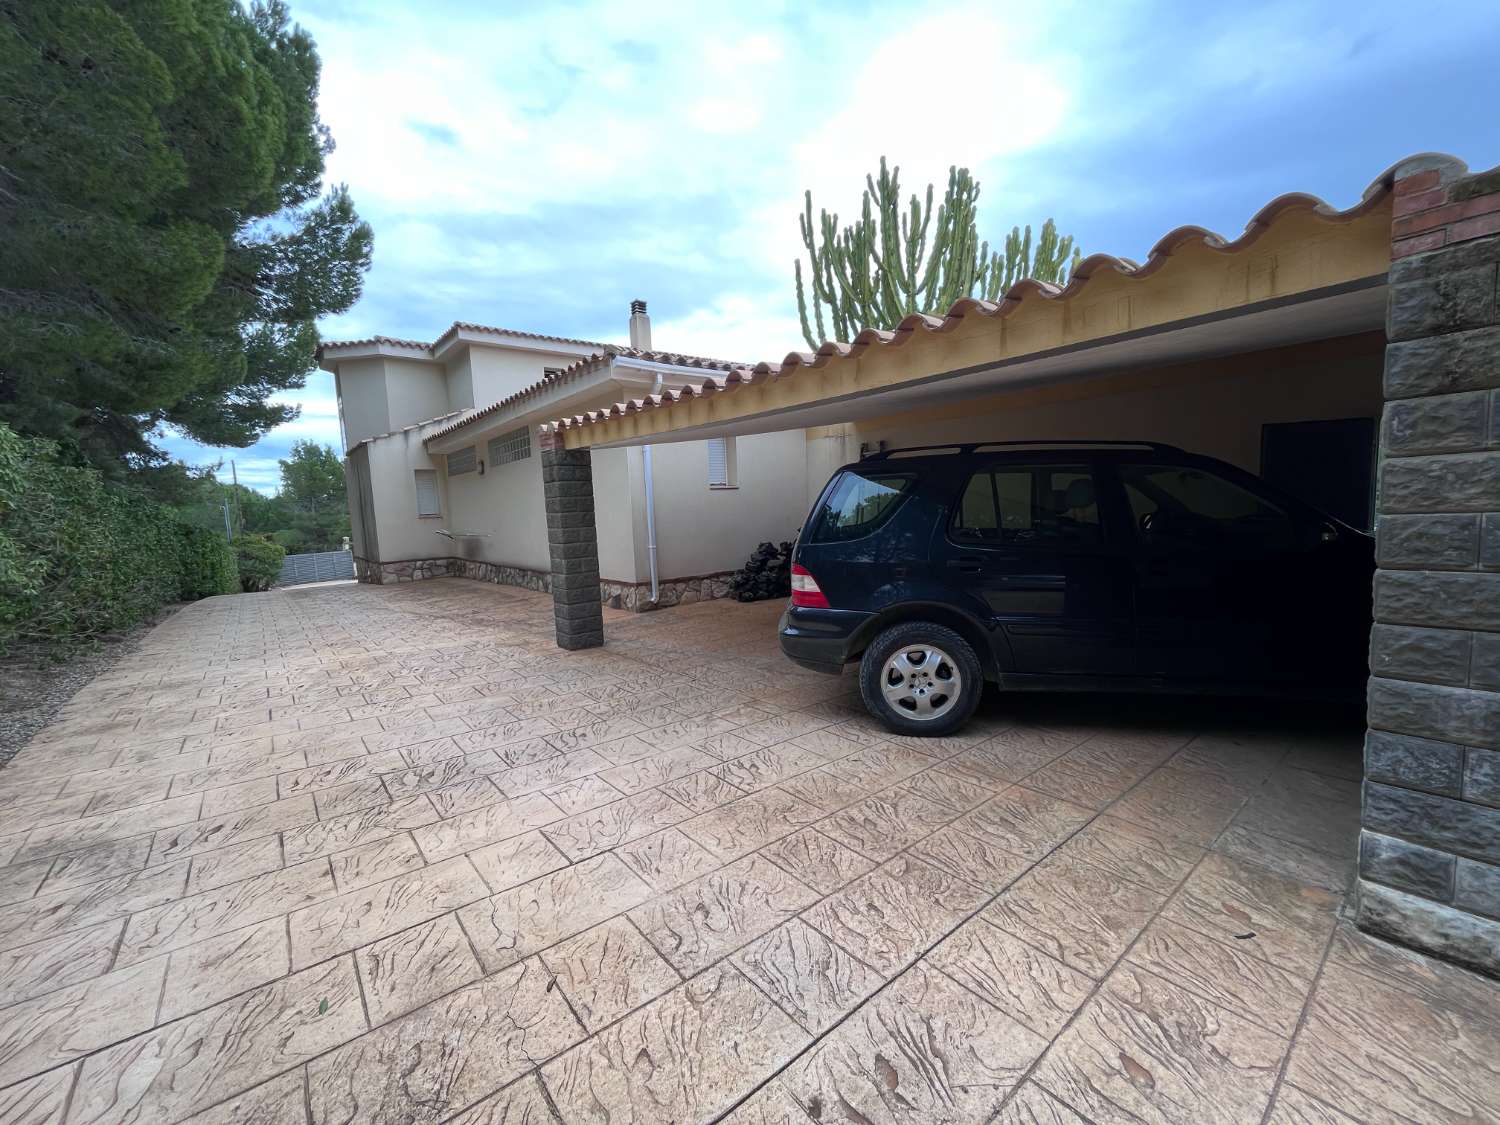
point(331, 355)
point(1339, 311)
point(460, 337)
point(614, 377)
point(1302, 271)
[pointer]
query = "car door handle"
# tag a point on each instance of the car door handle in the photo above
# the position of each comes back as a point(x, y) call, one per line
point(966, 563)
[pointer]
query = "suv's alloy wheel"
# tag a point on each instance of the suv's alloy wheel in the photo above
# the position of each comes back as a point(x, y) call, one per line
point(920, 678)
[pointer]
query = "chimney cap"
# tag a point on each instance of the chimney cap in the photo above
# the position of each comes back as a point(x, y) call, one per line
point(637, 306)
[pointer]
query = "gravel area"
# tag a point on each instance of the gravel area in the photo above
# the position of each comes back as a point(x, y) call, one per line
point(34, 686)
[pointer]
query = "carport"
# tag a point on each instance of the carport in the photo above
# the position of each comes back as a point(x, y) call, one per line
point(1352, 356)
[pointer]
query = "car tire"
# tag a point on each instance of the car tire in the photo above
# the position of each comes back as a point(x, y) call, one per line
point(898, 692)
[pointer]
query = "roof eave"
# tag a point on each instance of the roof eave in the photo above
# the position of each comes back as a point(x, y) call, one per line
point(458, 338)
point(331, 355)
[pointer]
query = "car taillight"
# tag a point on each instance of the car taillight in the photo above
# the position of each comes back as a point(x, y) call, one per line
point(805, 590)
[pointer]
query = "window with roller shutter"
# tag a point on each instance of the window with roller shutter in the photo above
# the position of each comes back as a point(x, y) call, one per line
point(427, 493)
point(721, 458)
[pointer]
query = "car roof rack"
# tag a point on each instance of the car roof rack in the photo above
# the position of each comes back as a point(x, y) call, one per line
point(972, 446)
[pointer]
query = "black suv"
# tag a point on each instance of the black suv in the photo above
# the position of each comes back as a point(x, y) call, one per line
point(1072, 566)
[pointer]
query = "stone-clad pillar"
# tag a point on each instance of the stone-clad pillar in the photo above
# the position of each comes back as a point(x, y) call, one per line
point(568, 484)
point(1429, 863)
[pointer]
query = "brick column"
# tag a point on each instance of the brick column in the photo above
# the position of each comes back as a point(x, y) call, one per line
point(568, 484)
point(1429, 863)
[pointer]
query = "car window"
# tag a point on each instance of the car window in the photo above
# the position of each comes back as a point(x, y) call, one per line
point(1188, 503)
point(857, 504)
point(1029, 505)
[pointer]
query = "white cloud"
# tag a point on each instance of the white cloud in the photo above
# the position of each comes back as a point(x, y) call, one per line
point(960, 86)
point(518, 111)
point(736, 326)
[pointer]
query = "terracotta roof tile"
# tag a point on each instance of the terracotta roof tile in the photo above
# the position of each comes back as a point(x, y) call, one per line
point(453, 329)
point(736, 376)
point(466, 326)
point(584, 366)
point(403, 429)
point(421, 344)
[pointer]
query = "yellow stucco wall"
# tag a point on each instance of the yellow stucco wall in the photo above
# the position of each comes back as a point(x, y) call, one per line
point(1216, 407)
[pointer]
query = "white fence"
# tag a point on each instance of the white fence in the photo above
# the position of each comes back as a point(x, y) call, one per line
point(323, 566)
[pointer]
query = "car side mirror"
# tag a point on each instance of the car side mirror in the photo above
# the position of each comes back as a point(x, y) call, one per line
point(1327, 532)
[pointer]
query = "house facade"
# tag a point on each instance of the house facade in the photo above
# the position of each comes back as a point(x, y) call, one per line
point(445, 478)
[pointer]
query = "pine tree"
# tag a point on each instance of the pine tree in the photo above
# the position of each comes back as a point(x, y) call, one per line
point(168, 242)
point(892, 262)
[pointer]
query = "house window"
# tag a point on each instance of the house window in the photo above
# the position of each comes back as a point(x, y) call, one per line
point(512, 446)
point(427, 493)
point(464, 461)
point(721, 466)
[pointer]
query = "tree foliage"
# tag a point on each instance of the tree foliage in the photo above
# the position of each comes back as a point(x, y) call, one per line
point(313, 497)
point(309, 513)
point(892, 262)
point(168, 241)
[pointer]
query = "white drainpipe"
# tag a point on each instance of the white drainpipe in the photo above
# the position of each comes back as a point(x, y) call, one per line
point(651, 513)
point(640, 337)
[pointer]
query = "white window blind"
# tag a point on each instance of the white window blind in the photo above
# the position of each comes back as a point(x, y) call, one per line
point(464, 461)
point(427, 493)
point(718, 462)
point(512, 446)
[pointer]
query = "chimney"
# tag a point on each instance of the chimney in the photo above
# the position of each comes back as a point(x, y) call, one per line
point(640, 326)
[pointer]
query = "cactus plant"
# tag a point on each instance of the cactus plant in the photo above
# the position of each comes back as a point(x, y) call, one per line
point(893, 262)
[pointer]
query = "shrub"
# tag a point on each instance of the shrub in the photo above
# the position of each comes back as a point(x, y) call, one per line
point(80, 557)
point(259, 558)
point(767, 574)
point(208, 565)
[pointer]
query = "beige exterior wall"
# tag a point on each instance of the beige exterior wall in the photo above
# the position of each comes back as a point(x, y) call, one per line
point(505, 505)
point(700, 530)
point(1216, 407)
point(620, 515)
point(828, 448)
point(498, 373)
point(460, 380)
point(400, 532)
point(416, 391)
point(363, 409)
point(357, 486)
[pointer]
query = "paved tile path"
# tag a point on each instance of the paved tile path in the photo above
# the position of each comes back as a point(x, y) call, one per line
point(358, 854)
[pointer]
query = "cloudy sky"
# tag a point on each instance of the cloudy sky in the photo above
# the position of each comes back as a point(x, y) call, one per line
point(536, 166)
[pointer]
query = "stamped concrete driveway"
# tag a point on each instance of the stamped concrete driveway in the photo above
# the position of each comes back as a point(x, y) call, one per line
point(363, 854)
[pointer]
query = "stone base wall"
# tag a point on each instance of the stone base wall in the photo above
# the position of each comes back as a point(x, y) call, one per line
point(415, 570)
point(636, 596)
point(632, 596)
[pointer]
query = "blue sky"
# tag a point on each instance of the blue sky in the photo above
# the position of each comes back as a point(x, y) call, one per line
point(537, 166)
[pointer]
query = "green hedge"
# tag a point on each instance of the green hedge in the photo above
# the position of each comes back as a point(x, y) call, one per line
point(80, 558)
